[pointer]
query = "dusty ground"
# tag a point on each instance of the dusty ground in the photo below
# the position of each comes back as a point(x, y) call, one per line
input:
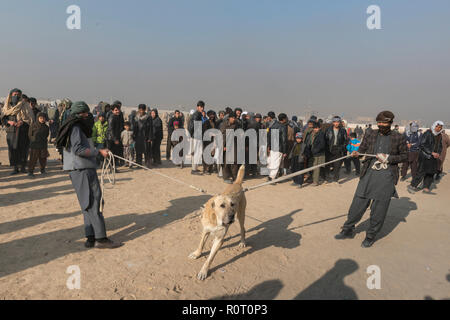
point(291, 251)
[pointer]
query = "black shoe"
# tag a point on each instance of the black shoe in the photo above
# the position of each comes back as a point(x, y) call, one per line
point(31, 174)
point(367, 243)
point(345, 234)
point(107, 244)
point(228, 181)
point(43, 171)
point(196, 172)
point(89, 243)
point(23, 170)
point(403, 179)
point(15, 171)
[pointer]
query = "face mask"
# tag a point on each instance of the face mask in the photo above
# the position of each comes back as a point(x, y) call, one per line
point(14, 100)
point(384, 129)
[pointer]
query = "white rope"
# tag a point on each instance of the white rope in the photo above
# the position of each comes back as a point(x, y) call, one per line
point(159, 173)
point(290, 176)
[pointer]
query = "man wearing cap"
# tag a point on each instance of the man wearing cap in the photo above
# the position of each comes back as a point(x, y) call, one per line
point(336, 143)
point(378, 178)
point(230, 166)
point(75, 137)
point(297, 158)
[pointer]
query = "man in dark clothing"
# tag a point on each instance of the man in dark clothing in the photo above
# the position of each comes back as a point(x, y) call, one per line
point(115, 128)
point(38, 133)
point(34, 108)
point(253, 123)
point(378, 178)
point(230, 166)
point(318, 147)
point(80, 160)
point(170, 128)
point(430, 150)
point(157, 137)
point(336, 143)
point(143, 135)
point(413, 141)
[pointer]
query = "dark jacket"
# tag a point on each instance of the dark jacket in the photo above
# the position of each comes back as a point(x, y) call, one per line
point(319, 144)
point(143, 131)
point(301, 156)
point(282, 137)
point(197, 116)
point(414, 139)
point(223, 128)
point(398, 153)
point(342, 140)
point(38, 134)
point(428, 145)
point(115, 127)
point(157, 127)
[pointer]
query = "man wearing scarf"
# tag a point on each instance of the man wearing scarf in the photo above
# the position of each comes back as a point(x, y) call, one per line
point(75, 137)
point(17, 116)
point(378, 178)
point(412, 140)
point(430, 150)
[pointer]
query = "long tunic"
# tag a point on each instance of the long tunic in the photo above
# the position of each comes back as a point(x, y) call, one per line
point(378, 184)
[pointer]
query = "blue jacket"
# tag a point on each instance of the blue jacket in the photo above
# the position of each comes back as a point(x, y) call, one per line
point(353, 145)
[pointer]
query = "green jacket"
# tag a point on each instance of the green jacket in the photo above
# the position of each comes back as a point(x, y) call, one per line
point(99, 132)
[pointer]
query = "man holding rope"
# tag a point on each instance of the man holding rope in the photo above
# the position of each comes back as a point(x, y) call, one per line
point(378, 178)
point(75, 136)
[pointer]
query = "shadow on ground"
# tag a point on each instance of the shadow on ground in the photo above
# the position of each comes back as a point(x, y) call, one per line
point(21, 254)
point(331, 285)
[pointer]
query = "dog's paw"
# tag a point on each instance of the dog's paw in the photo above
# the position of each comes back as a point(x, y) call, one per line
point(242, 245)
point(194, 255)
point(202, 275)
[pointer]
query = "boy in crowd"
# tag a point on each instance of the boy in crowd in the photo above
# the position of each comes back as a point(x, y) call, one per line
point(127, 140)
point(298, 159)
point(353, 146)
point(99, 133)
point(38, 133)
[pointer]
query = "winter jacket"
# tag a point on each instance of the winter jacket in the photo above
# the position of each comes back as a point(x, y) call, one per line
point(115, 127)
point(282, 137)
point(99, 132)
point(38, 134)
point(341, 139)
point(353, 145)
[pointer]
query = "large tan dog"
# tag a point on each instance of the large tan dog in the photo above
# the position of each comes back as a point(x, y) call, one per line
point(217, 216)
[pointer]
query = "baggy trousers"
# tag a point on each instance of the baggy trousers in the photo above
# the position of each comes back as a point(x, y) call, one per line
point(87, 188)
point(378, 213)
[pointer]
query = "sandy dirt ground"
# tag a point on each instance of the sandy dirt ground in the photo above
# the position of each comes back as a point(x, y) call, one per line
point(291, 251)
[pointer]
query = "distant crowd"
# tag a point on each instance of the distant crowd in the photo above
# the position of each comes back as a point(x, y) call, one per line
point(138, 136)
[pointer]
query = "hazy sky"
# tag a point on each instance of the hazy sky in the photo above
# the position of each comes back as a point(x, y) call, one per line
point(281, 55)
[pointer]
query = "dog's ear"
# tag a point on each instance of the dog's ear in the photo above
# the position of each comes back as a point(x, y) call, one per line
point(213, 204)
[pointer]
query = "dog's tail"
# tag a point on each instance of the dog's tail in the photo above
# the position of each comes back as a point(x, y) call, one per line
point(240, 176)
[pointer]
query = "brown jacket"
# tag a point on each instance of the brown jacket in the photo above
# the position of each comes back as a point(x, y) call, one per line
point(398, 153)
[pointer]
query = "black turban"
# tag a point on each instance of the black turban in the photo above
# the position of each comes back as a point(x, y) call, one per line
point(385, 116)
